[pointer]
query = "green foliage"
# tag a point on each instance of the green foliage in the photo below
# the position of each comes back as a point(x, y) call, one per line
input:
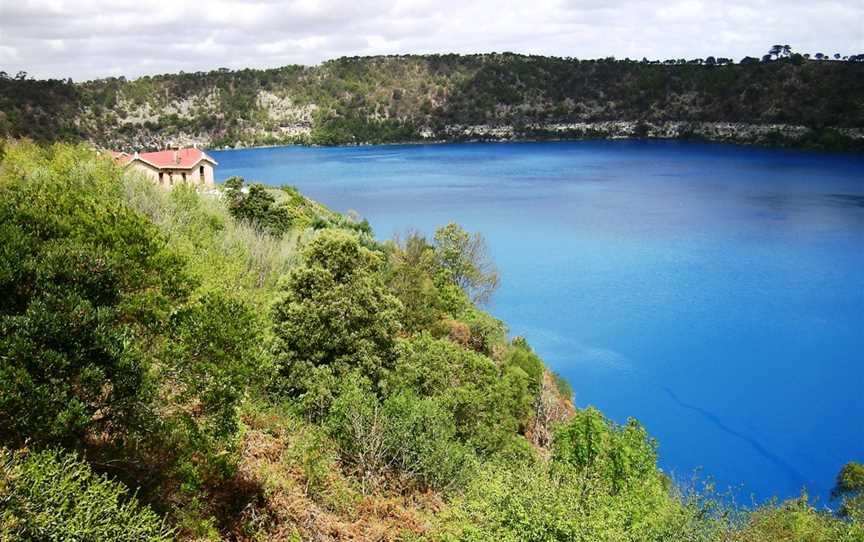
point(85, 280)
point(336, 317)
point(622, 455)
point(797, 520)
point(53, 496)
point(410, 275)
point(256, 206)
point(352, 130)
point(542, 502)
point(489, 403)
point(464, 256)
point(221, 253)
point(217, 355)
point(850, 489)
point(522, 357)
point(403, 436)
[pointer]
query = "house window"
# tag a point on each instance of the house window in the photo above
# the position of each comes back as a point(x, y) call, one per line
point(161, 178)
point(184, 176)
point(201, 174)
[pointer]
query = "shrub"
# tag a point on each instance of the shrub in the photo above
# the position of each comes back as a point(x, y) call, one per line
point(53, 496)
point(797, 520)
point(86, 281)
point(402, 436)
point(336, 316)
point(217, 354)
point(464, 256)
point(541, 502)
point(849, 489)
point(256, 206)
point(623, 455)
point(489, 404)
point(411, 277)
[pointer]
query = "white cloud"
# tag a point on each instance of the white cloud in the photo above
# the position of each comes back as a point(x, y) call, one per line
point(85, 39)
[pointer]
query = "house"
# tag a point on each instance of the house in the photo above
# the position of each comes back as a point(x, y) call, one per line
point(172, 166)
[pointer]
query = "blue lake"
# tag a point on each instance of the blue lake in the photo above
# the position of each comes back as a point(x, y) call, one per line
point(715, 293)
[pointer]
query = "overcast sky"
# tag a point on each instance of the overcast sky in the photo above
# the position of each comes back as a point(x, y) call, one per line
point(86, 39)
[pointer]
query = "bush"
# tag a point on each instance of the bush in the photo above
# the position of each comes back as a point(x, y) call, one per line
point(411, 277)
point(53, 496)
point(623, 455)
point(217, 352)
point(402, 436)
point(86, 281)
point(489, 404)
point(541, 502)
point(256, 206)
point(336, 317)
point(797, 520)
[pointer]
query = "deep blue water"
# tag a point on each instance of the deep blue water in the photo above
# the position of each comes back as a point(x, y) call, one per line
point(715, 293)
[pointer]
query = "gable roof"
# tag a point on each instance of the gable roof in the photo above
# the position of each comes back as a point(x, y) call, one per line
point(167, 159)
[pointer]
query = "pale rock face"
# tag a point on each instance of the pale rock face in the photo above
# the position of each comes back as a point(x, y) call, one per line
point(715, 131)
point(290, 119)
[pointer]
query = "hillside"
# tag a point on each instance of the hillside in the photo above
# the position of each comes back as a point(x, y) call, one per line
point(451, 97)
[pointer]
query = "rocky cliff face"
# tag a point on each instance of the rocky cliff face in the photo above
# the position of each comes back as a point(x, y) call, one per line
point(451, 97)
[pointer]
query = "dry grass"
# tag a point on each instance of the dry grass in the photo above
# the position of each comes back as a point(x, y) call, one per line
point(306, 497)
point(223, 252)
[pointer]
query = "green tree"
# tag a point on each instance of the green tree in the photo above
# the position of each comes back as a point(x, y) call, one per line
point(337, 316)
point(623, 455)
point(216, 352)
point(850, 489)
point(255, 205)
point(402, 436)
point(465, 257)
point(410, 275)
point(489, 402)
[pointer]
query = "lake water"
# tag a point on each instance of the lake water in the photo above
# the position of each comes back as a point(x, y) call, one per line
point(715, 293)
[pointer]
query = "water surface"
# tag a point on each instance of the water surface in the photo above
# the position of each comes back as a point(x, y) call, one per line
point(715, 293)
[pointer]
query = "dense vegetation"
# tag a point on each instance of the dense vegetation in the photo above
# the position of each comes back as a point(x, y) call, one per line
point(257, 367)
point(447, 97)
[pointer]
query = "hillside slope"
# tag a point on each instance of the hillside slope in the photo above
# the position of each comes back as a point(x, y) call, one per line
point(450, 97)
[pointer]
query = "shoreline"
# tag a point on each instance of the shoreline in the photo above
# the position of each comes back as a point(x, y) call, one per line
point(692, 139)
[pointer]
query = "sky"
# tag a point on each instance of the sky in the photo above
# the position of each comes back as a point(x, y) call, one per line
point(87, 39)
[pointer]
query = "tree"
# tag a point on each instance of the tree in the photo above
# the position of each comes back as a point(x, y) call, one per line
point(464, 257)
point(621, 454)
point(775, 51)
point(849, 489)
point(336, 317)
point(819, 56)
point(411, 277)
point(256, 206)
point(836, 56)
point(710, 61)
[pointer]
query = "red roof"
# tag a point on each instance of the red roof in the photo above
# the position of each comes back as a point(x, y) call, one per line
point(168, 159)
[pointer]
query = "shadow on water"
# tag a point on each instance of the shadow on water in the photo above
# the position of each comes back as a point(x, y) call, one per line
point(790, 471)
